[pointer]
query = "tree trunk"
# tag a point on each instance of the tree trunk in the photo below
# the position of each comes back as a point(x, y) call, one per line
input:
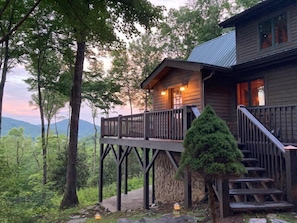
point(3, 78)
point(44, 149)
point(211, 202)
point(70, 198)
point(95, 140)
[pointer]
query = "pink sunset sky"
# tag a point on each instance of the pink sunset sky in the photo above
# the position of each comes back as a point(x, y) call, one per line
point(16, 96)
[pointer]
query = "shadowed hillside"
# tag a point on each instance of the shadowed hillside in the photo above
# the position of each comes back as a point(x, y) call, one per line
point(85, 128)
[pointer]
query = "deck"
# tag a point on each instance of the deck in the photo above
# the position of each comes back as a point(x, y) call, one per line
point(162, 130)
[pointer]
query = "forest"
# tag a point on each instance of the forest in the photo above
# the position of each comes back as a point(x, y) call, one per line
point(63, 45)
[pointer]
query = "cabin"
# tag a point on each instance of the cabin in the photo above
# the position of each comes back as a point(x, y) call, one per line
point(249, 77)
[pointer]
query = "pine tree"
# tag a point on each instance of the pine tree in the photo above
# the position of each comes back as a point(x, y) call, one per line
point(212, 151)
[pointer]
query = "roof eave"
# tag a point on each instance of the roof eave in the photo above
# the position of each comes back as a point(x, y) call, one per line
point(275, 59)
point(168, 64)
point(255, 11)
point(164, 67)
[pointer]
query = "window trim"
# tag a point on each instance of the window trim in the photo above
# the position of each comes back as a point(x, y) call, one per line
point(250, 98)
point(270, 19)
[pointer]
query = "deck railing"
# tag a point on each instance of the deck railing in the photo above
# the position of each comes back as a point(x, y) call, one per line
point(168, 124)
point(281, 121)
point(264, 146)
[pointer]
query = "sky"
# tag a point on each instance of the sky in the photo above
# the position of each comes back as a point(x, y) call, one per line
point(16, 95)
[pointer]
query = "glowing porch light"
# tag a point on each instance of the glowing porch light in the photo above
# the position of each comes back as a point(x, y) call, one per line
point(182, 88)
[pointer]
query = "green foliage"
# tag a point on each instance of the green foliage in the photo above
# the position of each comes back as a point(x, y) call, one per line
point(210, 148)
point(22, 196)
point(57, 172)
point(247, 3)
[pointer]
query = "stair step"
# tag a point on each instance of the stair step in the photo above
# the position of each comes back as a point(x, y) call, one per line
point(242, 206)
point(255, 191)
point(251, 179)
point(245, 151)
point(249, 160)
point(255, 169)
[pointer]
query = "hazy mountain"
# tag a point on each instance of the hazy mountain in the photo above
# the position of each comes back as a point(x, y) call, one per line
point(85, 128)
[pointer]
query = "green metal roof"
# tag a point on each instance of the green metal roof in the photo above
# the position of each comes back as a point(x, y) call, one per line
point(220, 51)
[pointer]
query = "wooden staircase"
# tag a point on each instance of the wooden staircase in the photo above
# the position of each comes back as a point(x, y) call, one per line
point(254, 191)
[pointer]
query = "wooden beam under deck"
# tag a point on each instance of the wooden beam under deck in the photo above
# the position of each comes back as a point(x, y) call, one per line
point(160, 144)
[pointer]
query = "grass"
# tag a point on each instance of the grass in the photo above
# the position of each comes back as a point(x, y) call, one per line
point(88, 197)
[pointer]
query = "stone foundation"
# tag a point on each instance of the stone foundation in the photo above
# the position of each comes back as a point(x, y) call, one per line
point(170, 190)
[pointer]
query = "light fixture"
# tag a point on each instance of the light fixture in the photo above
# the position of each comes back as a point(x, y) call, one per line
point(182, 88)
point(163, 92)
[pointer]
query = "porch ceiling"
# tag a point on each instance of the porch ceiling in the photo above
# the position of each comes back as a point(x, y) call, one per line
point(169, 64)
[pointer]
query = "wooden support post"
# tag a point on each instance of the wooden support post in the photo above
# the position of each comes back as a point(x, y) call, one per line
point(185, 121)
point(126, 173)
point(291, 174)
point(188, 190)
point(146, 125)
point(119, 178)
point(101, 158)
point(153, 179)
point(119, 133)
point(146, 191)
point(224, 200)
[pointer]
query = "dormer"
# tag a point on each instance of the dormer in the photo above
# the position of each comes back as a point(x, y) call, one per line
point(265, 29)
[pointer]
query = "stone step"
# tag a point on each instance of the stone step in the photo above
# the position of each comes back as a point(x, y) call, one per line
point(255, 191)
point(245, 206)
point(251, 180)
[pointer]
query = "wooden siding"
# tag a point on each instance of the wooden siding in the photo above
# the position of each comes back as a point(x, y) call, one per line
point(281, 86)
point(247, 37)
point(280, 96)
point(220, 94)
point(191, 96)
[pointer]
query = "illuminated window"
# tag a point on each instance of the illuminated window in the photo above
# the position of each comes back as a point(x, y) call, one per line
point(273, 31)
point(251, 93)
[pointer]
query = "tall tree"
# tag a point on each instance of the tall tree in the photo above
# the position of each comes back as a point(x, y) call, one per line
point(146, 53)
point(12, 15)
point(188, 26)
point(132, 65)
point(89, 21)
point(45, 66)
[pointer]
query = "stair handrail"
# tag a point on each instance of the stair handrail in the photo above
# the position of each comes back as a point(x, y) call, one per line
point(195, 111)
point(257, 123)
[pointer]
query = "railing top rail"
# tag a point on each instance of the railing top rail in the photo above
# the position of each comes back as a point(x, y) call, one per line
point(273, 139)
point(271, 106)
point(194, 109)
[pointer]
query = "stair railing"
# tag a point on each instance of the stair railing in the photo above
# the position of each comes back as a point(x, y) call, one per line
point(263, 145)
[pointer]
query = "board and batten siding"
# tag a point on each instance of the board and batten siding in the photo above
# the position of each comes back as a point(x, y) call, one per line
point(247, 37)
point(281, 86)
point(191, 96)
point(220, 94)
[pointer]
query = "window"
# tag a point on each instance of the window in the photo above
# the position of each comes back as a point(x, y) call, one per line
point(251, 93)
point(273, 31)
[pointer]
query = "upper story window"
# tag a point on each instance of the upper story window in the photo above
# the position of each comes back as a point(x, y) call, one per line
point(273, 31)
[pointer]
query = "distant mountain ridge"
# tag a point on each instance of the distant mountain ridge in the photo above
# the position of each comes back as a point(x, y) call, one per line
point(34, 131)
